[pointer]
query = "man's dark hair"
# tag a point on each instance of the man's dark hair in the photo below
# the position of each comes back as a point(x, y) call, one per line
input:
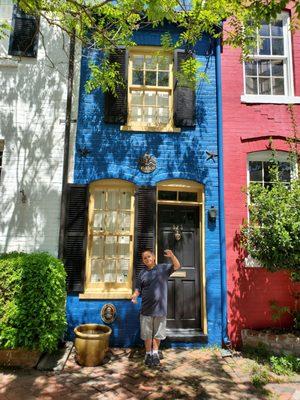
point(144, 251)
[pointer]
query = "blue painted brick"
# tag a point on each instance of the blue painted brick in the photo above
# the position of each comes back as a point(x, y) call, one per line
point(114, 154)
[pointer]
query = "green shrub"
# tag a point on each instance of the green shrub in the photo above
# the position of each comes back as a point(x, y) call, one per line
point(260, 376)
point(272, 235)
point(285, 365)
point(32, 301)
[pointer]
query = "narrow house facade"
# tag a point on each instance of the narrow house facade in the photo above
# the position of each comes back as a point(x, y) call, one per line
point(34, 59)
point(146, 175)
point(261, 100)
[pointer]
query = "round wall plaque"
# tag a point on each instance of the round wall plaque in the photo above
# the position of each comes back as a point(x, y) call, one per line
point(147, 163)
point(108, 313)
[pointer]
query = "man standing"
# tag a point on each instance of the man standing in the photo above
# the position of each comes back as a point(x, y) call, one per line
point(152, 284)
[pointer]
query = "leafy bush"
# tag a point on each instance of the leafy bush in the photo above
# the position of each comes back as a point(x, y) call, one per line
point(32, 301)
point(285, 365)
point(281, 365)
point(272, 236)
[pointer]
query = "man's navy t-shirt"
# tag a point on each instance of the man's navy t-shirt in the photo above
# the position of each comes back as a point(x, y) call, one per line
point(153, 286)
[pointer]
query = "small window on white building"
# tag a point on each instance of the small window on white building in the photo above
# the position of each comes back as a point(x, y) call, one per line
point(269, 70)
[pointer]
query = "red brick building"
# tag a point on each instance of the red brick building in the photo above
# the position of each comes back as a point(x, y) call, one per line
point(261, 98)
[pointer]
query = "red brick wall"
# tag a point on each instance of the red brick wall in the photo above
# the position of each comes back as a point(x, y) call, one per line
point(244, 126)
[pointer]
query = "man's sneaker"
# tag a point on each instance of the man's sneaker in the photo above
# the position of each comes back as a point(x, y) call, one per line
point(160, 355)
point(148, 360)
point(155, 360)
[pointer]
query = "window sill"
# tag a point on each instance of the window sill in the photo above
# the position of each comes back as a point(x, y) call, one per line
point(252, 98)
point(101, 294)
point(149, 129)
point(8, 62)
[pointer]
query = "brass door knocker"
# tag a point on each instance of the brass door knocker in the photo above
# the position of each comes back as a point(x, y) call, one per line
point(177, 229)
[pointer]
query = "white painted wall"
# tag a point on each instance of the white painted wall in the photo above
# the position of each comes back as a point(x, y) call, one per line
point(33, 96)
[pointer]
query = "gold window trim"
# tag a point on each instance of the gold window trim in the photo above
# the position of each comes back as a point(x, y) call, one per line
point(140, 126)
point(108, 290)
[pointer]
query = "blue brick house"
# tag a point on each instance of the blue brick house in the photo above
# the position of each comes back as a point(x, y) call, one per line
point(148, 174)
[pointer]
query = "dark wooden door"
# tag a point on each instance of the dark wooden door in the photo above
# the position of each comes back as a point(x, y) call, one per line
point(183, 290)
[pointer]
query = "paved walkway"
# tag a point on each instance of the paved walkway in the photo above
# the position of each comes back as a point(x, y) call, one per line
point(184, 374)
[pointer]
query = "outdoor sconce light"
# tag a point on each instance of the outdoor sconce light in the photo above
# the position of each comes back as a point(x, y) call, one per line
point(212, 214)
point(177, 231)
point(108, 313)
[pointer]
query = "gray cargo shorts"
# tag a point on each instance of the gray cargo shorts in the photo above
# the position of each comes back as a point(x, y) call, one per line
point(153, 327)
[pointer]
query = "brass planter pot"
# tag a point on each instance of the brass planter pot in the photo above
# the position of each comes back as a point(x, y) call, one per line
point(91, 343)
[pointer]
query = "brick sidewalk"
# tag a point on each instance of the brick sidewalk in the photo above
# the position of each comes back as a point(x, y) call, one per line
point(184, 374)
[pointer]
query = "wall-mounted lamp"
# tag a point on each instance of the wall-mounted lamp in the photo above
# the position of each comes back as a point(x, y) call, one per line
point(23, 196)
point(212, 214)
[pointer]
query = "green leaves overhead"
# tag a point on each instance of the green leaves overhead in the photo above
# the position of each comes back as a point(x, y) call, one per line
point(107, 24)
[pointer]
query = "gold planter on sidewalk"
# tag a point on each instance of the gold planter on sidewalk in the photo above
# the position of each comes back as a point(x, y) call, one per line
point(91, 343)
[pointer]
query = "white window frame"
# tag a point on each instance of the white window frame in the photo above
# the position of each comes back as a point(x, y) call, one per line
point(288, 97)
point(265, 155)
point(101, 289)
point(141, 126)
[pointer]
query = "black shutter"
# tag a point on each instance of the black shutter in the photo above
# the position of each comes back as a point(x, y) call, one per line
point(115, 107)
point(24, 36)
point(74, 248)
point(184, 99)
point(145, 224)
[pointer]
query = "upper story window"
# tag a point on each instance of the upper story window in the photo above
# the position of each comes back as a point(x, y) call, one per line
point(23, 39)
point(110, 245)
point(269, 71)
point(150, 90)
point(151, 99)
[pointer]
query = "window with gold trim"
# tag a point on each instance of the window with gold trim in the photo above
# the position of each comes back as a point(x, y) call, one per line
point(150, 89)
point(110, 243)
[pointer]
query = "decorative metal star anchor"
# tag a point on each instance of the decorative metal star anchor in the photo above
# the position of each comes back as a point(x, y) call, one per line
point(211, 155)
point(83, 152)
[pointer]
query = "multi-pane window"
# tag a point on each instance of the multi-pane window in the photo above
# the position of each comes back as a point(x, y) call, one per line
point(260, 166)
point(23, 40)
point(268, 72)
point(150, 89)
point(110, 236)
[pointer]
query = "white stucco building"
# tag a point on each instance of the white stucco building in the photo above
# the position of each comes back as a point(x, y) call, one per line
point(33, 96)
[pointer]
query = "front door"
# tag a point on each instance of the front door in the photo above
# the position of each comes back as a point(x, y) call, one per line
point(183, 285)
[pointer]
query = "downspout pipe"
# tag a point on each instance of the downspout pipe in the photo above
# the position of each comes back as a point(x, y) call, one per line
point(225, 339)
point(66, 144)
